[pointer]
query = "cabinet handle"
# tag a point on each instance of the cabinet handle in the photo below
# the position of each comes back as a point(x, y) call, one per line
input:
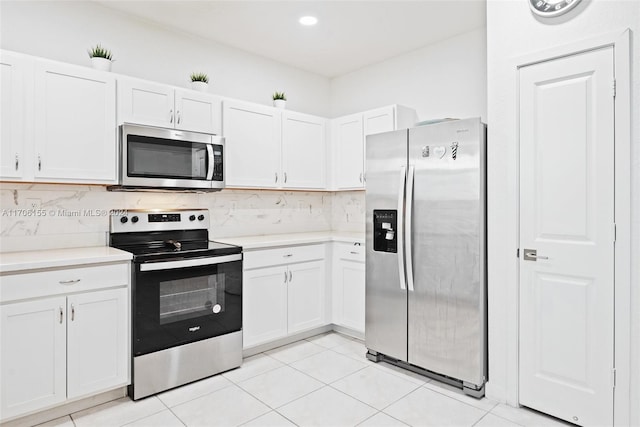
point(61, 314)
point(17, 161)
point(354, 253)
point(357, 244)
point(39, 163)
point(276, 176)
point(69, 282)
point(178, 116)
point(285, 177)
point(290, 275)
point(73, 313)
point(360, 177)
point(285, 277)
point(287, 256)
point(170, 116)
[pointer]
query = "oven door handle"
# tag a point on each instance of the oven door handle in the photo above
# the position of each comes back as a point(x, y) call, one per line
point(196, 262)
point(211, 162)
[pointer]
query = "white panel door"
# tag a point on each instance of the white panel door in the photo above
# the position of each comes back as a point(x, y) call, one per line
point(33, 363)
point(348, 142)
point(252, 141)
point(352, 275)
point(13, 69)
point(264, 305)
point(566, 215)
point(306, 295)
point(98, 341)
point(379, 120)
point(74, 124)
point(303, 151)
point(198, 112)
point(146, 103)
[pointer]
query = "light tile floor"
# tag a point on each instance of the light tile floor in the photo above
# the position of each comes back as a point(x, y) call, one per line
point(321, 381)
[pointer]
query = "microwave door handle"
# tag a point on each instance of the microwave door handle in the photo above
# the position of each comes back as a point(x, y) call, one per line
point(210, 162)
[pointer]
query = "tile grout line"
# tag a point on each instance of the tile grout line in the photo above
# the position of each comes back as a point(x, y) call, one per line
point(468, 404)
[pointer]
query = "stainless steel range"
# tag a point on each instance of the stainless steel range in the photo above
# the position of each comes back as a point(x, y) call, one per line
point(186, 298)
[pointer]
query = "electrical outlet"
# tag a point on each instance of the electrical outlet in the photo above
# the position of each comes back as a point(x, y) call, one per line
point(33, 203)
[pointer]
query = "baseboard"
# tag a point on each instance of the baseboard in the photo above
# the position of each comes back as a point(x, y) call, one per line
point(349, 332)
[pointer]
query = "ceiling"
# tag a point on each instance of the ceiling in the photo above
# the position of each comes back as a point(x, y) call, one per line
point(350, 34)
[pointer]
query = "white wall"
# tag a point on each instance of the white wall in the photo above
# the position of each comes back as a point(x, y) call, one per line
point(445, 79)
point(512, 31)
point(65, 30)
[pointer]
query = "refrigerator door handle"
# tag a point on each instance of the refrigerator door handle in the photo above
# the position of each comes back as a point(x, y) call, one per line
point(400, 226)
point(408, 229)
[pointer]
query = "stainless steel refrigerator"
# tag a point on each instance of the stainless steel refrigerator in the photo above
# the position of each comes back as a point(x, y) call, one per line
point(426, 251)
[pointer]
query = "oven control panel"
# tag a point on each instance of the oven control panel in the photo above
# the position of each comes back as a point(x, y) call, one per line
point(126, 221)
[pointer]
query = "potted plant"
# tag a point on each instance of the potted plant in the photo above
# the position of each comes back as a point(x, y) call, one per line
point(279, 100)
point(199, 82)
point(101, 58)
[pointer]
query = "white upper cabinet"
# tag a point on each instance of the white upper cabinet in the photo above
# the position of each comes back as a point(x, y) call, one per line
point(154, 104)
point(349, 135)
point(74, 124)
point(252, 141)
point(13, 70)
point(348, 139)
point(303, 151)
point(269, 148)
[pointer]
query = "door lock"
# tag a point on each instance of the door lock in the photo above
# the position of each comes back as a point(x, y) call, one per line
point(532, 255)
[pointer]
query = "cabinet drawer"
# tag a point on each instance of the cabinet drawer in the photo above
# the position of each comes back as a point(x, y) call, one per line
point(288, 255)
point(350, 252)
point(63, 280)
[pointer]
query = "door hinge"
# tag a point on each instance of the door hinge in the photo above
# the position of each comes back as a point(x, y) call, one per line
point(613, 87)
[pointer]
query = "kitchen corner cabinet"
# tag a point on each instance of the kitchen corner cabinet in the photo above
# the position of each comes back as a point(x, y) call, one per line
point(148, 103)
point(271, 148)
point(283, 292)
point(349, 286)
point(63, 337)
point(13, 72)
point(74, 124)
point(349, 136)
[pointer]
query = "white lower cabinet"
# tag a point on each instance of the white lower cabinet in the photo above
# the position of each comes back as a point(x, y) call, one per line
point(349, 286)
point(60, 347)
point(283, 299)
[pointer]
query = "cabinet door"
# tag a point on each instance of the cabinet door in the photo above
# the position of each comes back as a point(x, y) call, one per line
point(264, 305)
point(348, 139)
point(252, 141)
point(303, 151)
point(13, 69)
point(98, 341)
point(379, 120)
point(198, 112)
point(32, 355)
point(145, 103)
point(75, 124)
point(306, 295)
point(351, 275)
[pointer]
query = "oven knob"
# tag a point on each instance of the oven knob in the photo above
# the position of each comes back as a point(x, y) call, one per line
point(134, 219)
point(124, 219)
point(192, 218)
point(200, 217)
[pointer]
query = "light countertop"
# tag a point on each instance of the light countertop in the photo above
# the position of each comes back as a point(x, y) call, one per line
point(31, 260)
point(273, 240)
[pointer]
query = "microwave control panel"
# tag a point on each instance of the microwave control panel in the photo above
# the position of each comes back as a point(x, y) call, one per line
point(218, 167)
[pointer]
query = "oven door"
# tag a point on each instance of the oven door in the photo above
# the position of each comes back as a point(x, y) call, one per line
point(187, 300)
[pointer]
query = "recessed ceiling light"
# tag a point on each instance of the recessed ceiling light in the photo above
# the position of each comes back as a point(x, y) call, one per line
point(308, 20)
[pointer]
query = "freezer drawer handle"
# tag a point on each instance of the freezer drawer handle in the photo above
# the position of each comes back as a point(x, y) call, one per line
point(532, 255)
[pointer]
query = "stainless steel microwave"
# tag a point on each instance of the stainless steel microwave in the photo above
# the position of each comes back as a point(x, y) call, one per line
point(154, 158)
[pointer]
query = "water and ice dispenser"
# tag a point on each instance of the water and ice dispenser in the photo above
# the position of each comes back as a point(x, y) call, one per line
point(385, 235)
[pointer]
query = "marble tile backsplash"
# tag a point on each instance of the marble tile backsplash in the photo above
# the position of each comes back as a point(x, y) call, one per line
point(45, 216)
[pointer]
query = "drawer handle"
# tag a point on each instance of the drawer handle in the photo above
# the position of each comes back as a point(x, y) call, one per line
point(287, 256)
point(355, 253)
point(357, 244)
point(69, 282)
